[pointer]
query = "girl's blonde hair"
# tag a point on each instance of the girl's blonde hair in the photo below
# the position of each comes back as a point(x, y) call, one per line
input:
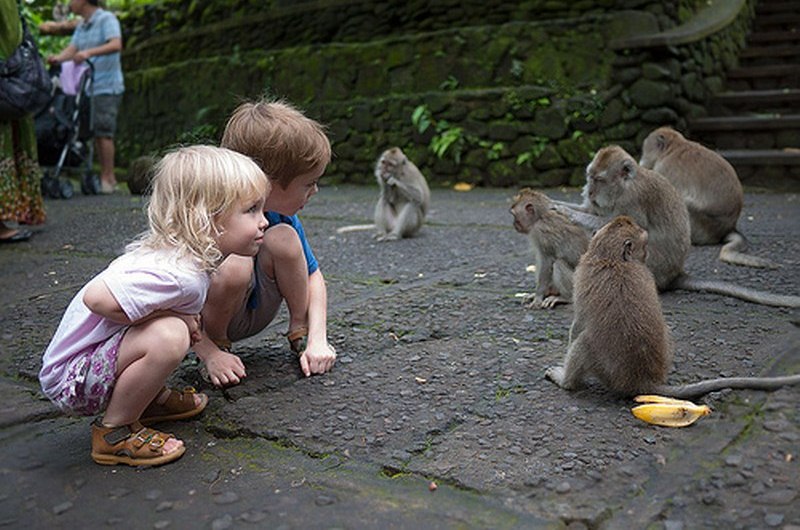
point(281, 139)
point(192, 188)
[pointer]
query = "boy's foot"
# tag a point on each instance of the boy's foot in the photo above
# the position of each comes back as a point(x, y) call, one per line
point(133, 445)
point(174, 405)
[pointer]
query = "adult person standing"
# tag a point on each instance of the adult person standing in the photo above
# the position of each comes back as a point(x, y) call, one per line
point(20, 176)
point(99, 38)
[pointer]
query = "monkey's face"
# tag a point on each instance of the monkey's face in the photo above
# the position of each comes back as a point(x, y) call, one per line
point(390, 164)
point(524, 215)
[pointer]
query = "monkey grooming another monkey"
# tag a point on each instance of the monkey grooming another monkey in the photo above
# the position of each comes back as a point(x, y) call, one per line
point(404, 196)
point(710, 188)
point(618, 334)
point(617, 185)
point(557, 244)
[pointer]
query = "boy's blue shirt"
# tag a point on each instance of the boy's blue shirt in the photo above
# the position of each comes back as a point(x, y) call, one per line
point(275, 219)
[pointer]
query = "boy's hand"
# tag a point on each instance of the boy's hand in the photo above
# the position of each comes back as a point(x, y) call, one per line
point(225, 369)
point(317, 360)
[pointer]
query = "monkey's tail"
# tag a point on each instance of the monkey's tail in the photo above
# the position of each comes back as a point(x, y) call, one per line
point(689, 283)
point(354, 228)
point(712, 385)
point(732, 251)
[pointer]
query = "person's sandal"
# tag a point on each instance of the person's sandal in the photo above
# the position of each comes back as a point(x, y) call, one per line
point(178, 406)
point(133, 445)
point(297, 339)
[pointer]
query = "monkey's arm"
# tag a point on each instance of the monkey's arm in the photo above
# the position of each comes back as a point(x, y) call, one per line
point(319, 356)
point(587, 220)
point(583, 207)
point(412, 193)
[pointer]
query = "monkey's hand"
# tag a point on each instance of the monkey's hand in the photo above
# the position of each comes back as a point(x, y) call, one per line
point(551, 301)
point(224, 369)
point(532, 301)
point(317, 359)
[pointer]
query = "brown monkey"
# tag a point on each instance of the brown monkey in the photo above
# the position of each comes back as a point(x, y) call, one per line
point(618, 334)
point(710, 189)
point(617, 185)
point(557, 244)
point(404, 196)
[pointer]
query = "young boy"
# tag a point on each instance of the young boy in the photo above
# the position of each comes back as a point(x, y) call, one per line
point(247, 292)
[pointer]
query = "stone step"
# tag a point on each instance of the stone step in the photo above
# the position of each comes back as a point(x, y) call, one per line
point(772, 70)
point(765, 122)
point(763, 8)
point(785, 21)
point(761, 37)
point(778, 51)
point(755, 98)
point(762, 157)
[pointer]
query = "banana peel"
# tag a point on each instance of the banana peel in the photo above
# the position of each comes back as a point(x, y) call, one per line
point(668, 412)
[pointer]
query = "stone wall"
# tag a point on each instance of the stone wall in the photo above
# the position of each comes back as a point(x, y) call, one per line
point(524, 102)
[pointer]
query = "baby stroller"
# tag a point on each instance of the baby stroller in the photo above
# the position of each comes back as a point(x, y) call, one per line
point(64, 131)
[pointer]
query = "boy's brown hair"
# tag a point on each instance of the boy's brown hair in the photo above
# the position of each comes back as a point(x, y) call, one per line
point(279, 138)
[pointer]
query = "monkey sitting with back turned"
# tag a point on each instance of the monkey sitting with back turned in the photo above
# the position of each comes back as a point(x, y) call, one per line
point(618, 334)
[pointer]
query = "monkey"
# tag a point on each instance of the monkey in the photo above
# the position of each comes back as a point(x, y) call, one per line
point(404, 198)
point(710, 188)
point(557, 244)
point(617, 185)
point(618, 333)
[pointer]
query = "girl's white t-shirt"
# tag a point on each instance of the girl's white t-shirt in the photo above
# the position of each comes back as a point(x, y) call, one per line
point(142, 281)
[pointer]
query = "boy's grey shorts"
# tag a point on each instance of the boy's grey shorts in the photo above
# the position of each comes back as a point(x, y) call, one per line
point(248, 322)
point(105, 108)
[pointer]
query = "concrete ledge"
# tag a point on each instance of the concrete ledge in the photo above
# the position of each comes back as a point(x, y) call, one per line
point(714, 17)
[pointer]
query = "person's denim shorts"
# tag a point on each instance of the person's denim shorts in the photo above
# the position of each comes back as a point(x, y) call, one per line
point(105, 108)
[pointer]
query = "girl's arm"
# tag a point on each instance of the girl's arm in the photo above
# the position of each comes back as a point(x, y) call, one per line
point(100, 301)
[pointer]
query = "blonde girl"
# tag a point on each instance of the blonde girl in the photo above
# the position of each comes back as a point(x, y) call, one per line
point(127, 329)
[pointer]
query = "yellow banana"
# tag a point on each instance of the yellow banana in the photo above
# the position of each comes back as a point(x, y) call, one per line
point(669, 412)
point(652, 398)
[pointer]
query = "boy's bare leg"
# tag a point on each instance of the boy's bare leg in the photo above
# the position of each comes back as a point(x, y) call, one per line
point(226, 296)
point(286, 263)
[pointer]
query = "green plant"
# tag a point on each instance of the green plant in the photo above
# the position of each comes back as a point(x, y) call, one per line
point(539, 145)
point(451, 83)
point(447, 140)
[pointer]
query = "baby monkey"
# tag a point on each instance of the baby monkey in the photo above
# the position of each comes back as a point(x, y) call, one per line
point(557, 244)
point(618, 334)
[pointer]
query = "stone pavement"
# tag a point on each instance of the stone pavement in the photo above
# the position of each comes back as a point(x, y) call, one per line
point(439, 381)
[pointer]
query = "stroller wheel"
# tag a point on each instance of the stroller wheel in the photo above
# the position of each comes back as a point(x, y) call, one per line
point(65, 189)
point(90, 184)
point(51, 187)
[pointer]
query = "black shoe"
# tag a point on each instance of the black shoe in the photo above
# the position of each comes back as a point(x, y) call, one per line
point(21, 235)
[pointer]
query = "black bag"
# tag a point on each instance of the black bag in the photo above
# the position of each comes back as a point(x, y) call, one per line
point(25, 86)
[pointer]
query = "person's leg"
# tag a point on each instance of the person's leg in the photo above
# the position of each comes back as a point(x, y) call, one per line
point(286, 263)
point(105, 108)
point(147, 355)
point(105, 155)
point(226, 295)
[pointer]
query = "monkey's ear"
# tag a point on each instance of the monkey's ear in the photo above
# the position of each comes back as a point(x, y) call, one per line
point(530, 210)
point(627, 250)
point(628, 169)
